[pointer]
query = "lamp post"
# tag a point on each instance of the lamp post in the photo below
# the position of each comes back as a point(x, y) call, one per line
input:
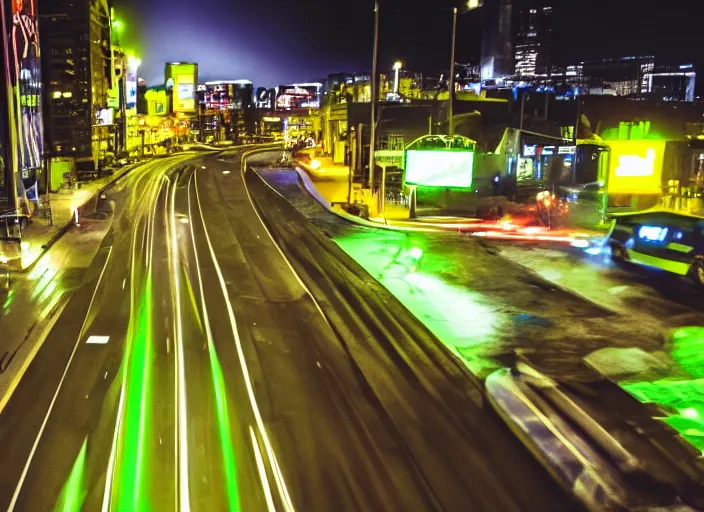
point(469, 6)
point(451, 81)
point(397, 69)
point(375, 94)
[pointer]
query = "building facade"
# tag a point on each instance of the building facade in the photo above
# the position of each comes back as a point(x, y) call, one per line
point(497, 57)
point(225, 110)
point(533, 41)
point(21, 125)
point(641, 76)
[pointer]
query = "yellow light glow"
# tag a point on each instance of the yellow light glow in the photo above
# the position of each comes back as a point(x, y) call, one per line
point(315, 165)
point(635, 166)
point(57, 94)
point(398, 64)
point(67, 94)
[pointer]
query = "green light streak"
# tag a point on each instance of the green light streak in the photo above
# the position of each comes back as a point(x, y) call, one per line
point(130, 493)
point(228, 451)
point(8, 300)
point(194, 303)
point(74, 493)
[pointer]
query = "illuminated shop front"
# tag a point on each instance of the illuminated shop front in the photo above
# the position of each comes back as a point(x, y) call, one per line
point(273, 126)
point(537, 161)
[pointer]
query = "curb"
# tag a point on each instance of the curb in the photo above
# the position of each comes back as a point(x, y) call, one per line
point(310, 187)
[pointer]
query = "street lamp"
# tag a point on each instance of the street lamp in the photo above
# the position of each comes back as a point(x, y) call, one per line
point(375, 94)
point(469, 6)
point(397, 69)
point(133, 63)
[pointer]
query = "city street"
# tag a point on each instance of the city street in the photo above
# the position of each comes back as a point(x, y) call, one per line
point(192, 368)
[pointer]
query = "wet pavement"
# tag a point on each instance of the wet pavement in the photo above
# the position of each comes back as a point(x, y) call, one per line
point(496, 302)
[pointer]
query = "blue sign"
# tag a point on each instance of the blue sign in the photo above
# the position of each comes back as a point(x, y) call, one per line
point(652, 233)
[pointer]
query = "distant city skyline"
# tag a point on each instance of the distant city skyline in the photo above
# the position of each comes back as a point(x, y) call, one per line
point(273, 42)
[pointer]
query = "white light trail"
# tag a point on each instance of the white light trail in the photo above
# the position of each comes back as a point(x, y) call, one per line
point(283, 491)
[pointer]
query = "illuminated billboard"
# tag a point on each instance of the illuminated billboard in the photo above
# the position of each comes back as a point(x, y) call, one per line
point(439, 168)
point(131, 86)
point(21, 38)
point(184, 76)
point(635, 166)
point(298, 96)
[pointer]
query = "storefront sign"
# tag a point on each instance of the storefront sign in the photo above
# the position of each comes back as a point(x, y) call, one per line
point(635, 166)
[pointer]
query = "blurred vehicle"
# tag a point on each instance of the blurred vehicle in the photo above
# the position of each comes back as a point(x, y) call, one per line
point(662, 239)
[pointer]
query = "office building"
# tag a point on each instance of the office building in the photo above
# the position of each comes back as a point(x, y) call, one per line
point(533, 41)
point(78, 78)
point(497, 57)
point(225, 109)
point(641, 76)
point(671, 83)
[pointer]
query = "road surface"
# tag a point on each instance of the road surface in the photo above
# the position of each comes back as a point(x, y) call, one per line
point(192, 369)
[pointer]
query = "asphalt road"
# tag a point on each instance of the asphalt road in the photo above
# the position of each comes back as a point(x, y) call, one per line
point(192, 369)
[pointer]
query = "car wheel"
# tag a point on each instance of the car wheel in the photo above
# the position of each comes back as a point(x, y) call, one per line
point(696, 271)
point(618, 251)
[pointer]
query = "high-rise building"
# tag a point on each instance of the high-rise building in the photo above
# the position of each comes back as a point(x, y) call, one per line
point(533, 41)
point(497, 48)
point(78, 79)
point(21, 141)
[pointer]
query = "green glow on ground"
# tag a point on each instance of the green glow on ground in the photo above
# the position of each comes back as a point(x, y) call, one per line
point(471, 325)
point(684, 399)
point(131, 470)
point(74, 492)
point(465, 321)
point(228, 450)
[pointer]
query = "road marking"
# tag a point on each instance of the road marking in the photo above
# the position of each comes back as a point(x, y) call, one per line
point(124, 283)
point(283, 491)
point(262, 471)
point(226, 172)
point(98, 340)
point(219, 387)
point(63, 301)
point(20, 483)
point(184, 500)
point(288, 263)
point(107, 494)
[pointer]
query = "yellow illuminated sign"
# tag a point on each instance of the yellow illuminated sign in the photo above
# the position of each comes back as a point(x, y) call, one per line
point(29, 100)
point(635, 167)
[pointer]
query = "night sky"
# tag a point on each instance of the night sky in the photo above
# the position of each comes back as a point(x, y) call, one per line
point(273, 42)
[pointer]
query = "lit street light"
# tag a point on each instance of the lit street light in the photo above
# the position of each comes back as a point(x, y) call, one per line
point(470, 6)
point(397, 69)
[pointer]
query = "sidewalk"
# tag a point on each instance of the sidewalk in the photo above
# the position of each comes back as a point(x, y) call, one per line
point(41, 234)
point(328, 183)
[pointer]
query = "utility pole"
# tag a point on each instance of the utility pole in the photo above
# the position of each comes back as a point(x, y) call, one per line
point(523, 108)
point(451, 81)
point(375, 94)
